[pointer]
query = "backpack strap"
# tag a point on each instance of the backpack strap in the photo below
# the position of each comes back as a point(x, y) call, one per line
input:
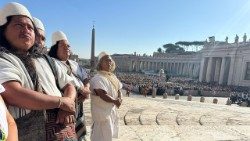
point(52, 65)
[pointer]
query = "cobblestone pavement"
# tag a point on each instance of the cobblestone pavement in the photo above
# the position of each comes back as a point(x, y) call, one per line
point(157, 119)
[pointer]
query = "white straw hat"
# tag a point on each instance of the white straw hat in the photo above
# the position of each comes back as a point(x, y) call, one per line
point(38, 23)
point(57, 36)
point(13, 9)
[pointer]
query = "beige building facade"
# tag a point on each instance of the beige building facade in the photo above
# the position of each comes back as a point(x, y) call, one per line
point(218, 62)
point(226, 63)
point(175, 64)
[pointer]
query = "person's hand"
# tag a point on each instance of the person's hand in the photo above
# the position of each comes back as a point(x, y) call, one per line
point(67, 104)
point(65, 117)
point(118, 102)
point(84, 92)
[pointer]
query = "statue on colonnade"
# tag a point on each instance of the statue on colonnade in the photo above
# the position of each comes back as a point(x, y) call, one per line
point(226, 40)
point(245, 38)
point(161, 73)
point(236, 39)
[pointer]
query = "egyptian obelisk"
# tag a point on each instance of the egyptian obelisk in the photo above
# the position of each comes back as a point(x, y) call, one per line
point(92, 61)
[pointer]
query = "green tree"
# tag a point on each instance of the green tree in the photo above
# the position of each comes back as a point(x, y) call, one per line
point(159, 50)
point(187, 44)
point(172, 48)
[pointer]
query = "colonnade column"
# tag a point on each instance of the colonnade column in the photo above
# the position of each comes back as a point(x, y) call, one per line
point(231, 70)
point(222, 70)
point(209, 69)
point(201, 77)
point(217, 70)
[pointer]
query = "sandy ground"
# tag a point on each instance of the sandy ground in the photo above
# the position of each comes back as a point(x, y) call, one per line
point(158, 119)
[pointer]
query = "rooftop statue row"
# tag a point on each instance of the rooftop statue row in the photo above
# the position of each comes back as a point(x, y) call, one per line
point(236, 39)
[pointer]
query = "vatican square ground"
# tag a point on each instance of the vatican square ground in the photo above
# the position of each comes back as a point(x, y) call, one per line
point(158, 119)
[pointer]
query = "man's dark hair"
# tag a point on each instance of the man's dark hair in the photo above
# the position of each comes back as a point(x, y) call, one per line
point(53, 50)
point(3, 41)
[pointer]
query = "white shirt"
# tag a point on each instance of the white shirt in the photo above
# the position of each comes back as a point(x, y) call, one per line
point(14, 69)
point(3, 110)
point(78, 73)
point(3, 119)
point(47, 79)
point(101, 109)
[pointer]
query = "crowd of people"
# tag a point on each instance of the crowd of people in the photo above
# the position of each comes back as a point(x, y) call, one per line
point(145, 82)
point(42, 93)
point(242, 99)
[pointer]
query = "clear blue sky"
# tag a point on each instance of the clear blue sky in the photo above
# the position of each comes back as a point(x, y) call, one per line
point(142, 26)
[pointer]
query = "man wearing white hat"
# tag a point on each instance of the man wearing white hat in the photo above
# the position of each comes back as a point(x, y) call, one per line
point(40, 39)
point(105, 99)
point(30, 85)
point(61, 52)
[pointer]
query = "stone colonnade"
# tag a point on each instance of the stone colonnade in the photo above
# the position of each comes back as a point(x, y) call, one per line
point(216, 69)
point(174, 68)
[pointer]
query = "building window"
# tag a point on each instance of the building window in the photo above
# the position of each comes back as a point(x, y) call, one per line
point(247, 76)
